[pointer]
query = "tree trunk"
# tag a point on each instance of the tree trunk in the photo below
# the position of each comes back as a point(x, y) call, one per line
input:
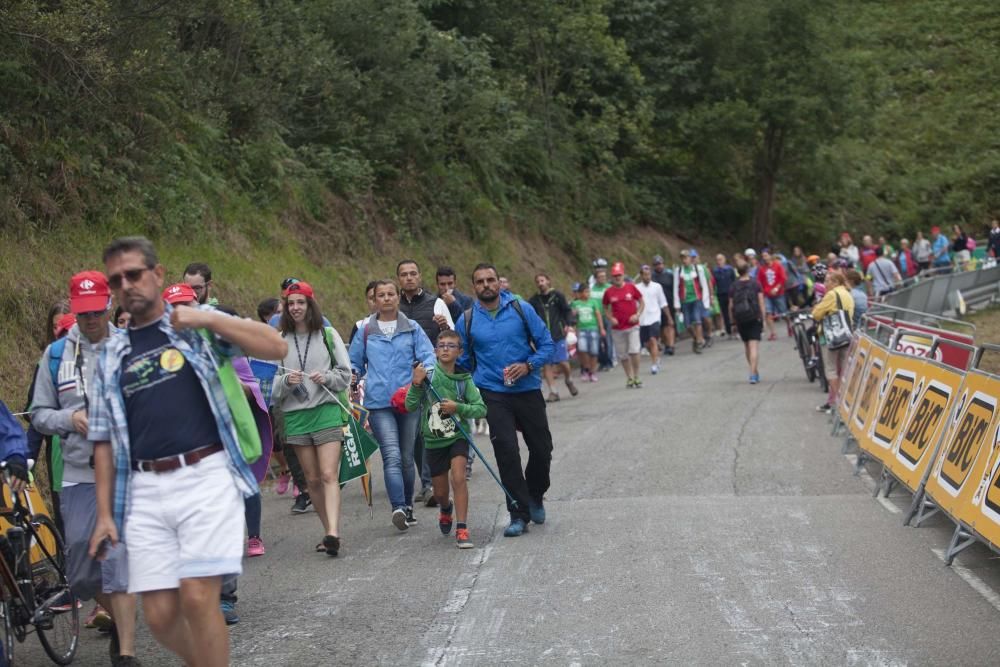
point(767, 164)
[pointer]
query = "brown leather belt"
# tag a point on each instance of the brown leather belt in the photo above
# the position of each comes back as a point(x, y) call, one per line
point(176, 462)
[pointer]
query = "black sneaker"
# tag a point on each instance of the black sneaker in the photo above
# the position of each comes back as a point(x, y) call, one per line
point(445, 519)
point(824, 408)
point(669, 351)
point(410, 519)
point(302, 504)
point(431, 501)
point(399, 519)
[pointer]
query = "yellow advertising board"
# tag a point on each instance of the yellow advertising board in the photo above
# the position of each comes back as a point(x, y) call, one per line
point(926, 419)
point(856, 362)
point(868, 393)
point(984, 517)
point(962, 463)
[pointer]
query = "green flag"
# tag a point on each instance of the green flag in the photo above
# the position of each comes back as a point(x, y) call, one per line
point(358, 445)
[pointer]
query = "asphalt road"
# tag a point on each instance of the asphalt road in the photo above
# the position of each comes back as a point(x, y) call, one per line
point(697, 521)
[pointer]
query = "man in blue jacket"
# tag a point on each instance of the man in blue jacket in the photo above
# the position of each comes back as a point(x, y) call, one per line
point(505, 345)
point(13, 448)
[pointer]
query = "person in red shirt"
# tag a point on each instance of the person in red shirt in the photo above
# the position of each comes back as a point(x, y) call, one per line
point(771, 277)
point(867, 252)
point(622, 305)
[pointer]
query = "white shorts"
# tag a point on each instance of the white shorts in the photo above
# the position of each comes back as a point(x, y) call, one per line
point(183, 524)
point(627, 341)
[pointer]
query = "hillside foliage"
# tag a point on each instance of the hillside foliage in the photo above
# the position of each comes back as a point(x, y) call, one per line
point(755, 119)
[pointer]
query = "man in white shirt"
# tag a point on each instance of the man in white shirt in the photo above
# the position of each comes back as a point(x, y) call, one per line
point(655, 311)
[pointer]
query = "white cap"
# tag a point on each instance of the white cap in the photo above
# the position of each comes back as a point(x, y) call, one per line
point(750, 252)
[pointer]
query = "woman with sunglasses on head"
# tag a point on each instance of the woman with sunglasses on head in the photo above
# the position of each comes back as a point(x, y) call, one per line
point(384, 352)
point(313, 373)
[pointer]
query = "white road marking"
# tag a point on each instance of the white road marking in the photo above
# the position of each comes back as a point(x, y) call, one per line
point(865, 477)
point(889, 505)
point(973, 580)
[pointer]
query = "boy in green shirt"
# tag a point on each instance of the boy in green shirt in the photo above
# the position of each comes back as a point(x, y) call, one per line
point(445, 448)
point(589, 330)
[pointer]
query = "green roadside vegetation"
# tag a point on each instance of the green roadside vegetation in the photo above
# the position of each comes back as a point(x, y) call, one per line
point(987, 323)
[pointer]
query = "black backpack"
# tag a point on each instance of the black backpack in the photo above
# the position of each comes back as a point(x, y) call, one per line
point(745, 305)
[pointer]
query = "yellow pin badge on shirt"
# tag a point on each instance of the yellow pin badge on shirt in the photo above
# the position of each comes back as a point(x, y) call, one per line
point(171, 361)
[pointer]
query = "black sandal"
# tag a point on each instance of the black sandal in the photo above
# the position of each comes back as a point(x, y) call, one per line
point(331, 544)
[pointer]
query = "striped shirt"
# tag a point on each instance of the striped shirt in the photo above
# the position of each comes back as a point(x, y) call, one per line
point(108, 420)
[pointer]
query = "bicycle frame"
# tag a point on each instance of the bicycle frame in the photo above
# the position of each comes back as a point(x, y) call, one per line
point(18, 516)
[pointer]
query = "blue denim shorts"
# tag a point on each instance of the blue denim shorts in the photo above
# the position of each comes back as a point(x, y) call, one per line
point(776, 305)
point(588, 342)
point(694, 312)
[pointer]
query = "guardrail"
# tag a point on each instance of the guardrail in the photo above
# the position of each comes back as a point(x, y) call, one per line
point(935, 295)
point(962, 301)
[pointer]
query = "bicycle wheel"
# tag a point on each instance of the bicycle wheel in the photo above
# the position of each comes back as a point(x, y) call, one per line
point(53, 595)
point(802, 345)
point(7, 627)
point(824, 385)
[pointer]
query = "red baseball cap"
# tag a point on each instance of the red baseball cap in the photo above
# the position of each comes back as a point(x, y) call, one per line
point(935, 230)
point(179, 293)
point(64, 324)
point(301, 287)
point(88, 292)
point(618, 269)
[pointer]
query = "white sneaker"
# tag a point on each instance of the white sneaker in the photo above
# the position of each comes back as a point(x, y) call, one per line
point(654, 369)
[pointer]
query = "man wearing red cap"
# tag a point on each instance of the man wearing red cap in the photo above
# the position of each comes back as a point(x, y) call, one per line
point(622, 305)
point(167, 457)
point(59, 407)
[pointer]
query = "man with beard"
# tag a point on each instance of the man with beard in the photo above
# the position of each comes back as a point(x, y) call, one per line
point(552, 307)
point(505, 346)
point(199, 277)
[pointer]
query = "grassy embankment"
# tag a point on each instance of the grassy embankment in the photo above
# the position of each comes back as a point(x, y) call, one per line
point(248, 268)
point(988, 331)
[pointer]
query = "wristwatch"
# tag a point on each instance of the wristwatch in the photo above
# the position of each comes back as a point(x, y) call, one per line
point(531, 366)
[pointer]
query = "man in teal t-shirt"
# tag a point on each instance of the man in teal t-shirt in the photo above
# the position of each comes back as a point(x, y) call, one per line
point(589, 330)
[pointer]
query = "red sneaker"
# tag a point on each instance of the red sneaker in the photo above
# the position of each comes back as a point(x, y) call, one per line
point(462, 540)
point(444, 520)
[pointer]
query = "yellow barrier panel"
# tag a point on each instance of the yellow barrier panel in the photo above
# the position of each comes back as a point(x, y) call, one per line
point(31, 499)
point(857, 360)
point(899, 379)
point(915, 447)
point(867, 401)
point(985, 515)
point(964, 450)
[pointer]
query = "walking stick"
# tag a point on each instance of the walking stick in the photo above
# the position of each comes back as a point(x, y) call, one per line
point(468, 438)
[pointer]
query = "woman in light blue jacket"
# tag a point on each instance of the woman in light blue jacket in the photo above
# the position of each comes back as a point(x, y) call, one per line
point(384, 351)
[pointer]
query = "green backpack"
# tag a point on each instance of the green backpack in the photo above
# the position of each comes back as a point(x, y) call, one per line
point(246, 427)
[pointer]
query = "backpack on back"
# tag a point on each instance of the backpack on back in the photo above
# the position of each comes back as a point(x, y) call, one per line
point(745, 305)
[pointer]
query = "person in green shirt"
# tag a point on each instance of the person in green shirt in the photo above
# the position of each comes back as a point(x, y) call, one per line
point(315, 370)
point(605, 357)
point(589, 330)
point(445, 446)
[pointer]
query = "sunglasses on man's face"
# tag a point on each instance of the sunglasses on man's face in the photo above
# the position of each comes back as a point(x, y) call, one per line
point(132, 275)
